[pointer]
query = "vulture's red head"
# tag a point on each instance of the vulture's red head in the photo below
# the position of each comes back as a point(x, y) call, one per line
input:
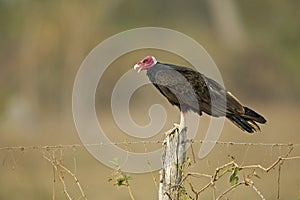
point(146, 63)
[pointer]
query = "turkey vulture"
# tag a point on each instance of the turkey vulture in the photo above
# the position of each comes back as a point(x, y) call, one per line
point(190, 90)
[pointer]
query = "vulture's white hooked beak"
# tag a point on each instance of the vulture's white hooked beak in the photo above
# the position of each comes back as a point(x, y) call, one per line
point(138, 68)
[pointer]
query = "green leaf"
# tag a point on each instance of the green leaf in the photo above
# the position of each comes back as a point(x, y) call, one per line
point(184, 195)
point(116, 160)
point(127, 177)
point(234, 178)
point(123, 180)
point(120, 181)
point(189, 161)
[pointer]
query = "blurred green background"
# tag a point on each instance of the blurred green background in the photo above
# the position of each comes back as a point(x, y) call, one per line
point(254, 43)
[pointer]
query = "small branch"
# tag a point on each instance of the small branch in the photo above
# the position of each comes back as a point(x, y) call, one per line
point(224, 169)
point(230, 189)
point(216, 175)
point(194, 191)
point(193, 153)
point(121, 179)
point(257, 191)
point(278, 181)
point(75, 178)
point(194, 174)
point(57, 164)
point(53, 184)
point(271, 166)
point(205, 187)
point(152, 175)
point(61, 178)
point(129, 190)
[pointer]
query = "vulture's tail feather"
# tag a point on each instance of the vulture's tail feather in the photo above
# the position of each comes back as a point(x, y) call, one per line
point(247, 121)
point(251, 114)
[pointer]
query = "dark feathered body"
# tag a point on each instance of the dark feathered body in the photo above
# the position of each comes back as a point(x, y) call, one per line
point(190, 90)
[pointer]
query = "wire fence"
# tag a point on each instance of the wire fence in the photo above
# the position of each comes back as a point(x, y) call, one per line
point(53, 154)
point(143, 142)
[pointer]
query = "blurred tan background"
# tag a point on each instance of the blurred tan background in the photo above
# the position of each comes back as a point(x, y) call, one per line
point(255, 44)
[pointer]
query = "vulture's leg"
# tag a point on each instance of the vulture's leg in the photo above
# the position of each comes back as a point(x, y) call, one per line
point(182, 121)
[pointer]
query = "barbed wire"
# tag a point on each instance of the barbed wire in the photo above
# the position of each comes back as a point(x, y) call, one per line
point(143, 142)
point(60, 171)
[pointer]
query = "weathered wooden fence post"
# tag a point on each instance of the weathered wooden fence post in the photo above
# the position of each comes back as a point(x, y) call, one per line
point(173, 158)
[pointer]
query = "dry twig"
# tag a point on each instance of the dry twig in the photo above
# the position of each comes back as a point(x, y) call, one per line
point(229, 167)
point(56, 164)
